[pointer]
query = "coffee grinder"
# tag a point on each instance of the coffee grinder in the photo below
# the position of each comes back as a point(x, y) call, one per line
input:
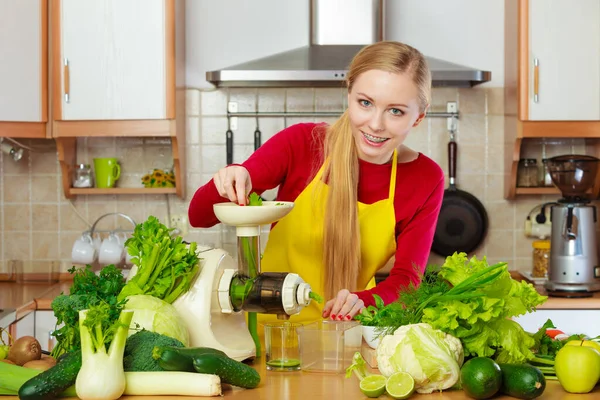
point(574, 270)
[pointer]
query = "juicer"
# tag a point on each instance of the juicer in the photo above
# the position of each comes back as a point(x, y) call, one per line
point(573, 270)
point(225, 292)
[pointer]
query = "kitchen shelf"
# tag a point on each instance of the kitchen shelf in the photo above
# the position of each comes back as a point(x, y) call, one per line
point(537, 190)
point(121, 190)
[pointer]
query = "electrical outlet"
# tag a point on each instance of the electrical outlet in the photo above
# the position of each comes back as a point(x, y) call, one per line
point(179, 222)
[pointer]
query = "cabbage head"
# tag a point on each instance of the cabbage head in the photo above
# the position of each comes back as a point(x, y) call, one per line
point(432, 357)
point(158, 316)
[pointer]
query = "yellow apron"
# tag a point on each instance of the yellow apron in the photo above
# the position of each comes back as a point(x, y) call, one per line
point(295, 243)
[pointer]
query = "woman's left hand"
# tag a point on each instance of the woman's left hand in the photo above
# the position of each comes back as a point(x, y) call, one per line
point(344, 307)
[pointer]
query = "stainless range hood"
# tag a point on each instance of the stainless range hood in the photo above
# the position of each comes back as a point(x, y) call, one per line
point(335, 39)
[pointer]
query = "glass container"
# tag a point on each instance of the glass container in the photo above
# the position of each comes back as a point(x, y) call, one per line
point(541, 258)
point(527, 173)
point(281, 346)
point(82, 176)
point(573, 174)
point(328, 346)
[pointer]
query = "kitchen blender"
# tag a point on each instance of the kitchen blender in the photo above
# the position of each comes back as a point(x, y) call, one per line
point(574, 270)
point(213, 308)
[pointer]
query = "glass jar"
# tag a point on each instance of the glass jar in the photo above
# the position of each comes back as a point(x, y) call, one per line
point(527, 173)
point(82, 176)
point(541, 258)
point(546, 179)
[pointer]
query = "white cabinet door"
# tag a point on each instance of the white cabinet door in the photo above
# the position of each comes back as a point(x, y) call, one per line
point(26, 326)
point(569, 321)
point(21, 60)
point(115, 51)
point(564, 37)
point(45, 324)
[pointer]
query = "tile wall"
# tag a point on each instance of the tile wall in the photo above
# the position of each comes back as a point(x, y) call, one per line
point(38, 225)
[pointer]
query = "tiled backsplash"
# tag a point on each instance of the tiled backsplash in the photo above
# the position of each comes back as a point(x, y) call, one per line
point(38, 225)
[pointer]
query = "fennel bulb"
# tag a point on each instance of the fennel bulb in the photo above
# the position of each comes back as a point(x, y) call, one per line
point(101, 376)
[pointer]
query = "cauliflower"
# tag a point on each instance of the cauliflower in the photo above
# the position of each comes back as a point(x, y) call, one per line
point(432, 357)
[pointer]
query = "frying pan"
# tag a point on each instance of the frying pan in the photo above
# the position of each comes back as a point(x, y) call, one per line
point(463, 221)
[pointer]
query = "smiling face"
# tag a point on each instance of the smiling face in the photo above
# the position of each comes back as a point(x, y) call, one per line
point(382, 107)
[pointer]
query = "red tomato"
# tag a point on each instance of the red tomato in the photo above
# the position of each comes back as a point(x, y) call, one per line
point(553, 332)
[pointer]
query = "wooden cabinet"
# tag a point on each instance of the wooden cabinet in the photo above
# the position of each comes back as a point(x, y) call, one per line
point(23, 68)
point(118, 70)
point(113, 56)
point(563, 61)
point(552, 77)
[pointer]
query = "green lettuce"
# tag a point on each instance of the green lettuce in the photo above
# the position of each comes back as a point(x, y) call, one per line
point(482, 322)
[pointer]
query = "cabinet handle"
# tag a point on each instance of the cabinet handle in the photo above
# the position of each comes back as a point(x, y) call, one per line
point(67, 79)
point(536, 80)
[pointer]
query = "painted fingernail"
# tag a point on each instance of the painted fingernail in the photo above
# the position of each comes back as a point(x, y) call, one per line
point(348, 317)
point(339, 317)
point(332, 316)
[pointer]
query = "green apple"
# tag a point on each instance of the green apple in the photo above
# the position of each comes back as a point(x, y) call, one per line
point(589, 343)
point(577, 368)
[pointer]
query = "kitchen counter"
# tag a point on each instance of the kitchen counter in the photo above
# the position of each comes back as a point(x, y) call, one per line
point(25, 298)
point(310, 385)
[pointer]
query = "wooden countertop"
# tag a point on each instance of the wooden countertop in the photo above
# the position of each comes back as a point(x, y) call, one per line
point(311, 386)
point(289, 385)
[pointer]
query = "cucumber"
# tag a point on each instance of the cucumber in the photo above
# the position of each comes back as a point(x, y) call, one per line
point(51, 383)
point(522, 381)
point(229, 370)
point(172, 358)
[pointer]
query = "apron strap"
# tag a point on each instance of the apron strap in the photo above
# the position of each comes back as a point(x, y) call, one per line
point(393, 177)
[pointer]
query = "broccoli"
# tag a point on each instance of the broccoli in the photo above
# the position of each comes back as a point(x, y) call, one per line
point(138, 350)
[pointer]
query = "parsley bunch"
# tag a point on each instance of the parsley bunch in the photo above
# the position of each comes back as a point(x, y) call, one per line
point(88, 290)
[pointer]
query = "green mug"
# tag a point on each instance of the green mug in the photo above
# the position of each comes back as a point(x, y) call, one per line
point(107, 171)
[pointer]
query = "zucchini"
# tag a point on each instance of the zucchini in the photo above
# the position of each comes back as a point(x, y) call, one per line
point(52, 382)
point(229, 370)
point(522, 381)
point(172, 358)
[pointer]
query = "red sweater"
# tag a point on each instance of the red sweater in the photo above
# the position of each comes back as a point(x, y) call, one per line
point(290, 160)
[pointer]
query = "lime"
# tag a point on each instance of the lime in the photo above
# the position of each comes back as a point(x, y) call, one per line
point(481, 377)
point(400, 385)
point(373, 385)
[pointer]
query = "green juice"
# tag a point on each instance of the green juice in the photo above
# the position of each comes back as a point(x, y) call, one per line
point(284, 363)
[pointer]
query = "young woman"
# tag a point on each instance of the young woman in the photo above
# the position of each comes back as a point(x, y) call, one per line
point(361, 197)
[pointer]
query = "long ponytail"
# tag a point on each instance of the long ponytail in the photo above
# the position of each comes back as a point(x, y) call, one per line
point(341, 240)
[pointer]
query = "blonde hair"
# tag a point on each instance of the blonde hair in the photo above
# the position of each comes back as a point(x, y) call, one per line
point(341, 239)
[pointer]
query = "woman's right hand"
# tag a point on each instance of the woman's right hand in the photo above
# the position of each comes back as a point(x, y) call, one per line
point(233, 183)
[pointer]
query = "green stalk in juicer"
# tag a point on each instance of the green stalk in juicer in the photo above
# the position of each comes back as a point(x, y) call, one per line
point(253, 200)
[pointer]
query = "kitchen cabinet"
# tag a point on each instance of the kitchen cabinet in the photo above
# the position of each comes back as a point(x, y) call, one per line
point(24, 68)
point(564, 61)
point(23, 327)
point(118, 70)
point(45, 324)
point(552, 78)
